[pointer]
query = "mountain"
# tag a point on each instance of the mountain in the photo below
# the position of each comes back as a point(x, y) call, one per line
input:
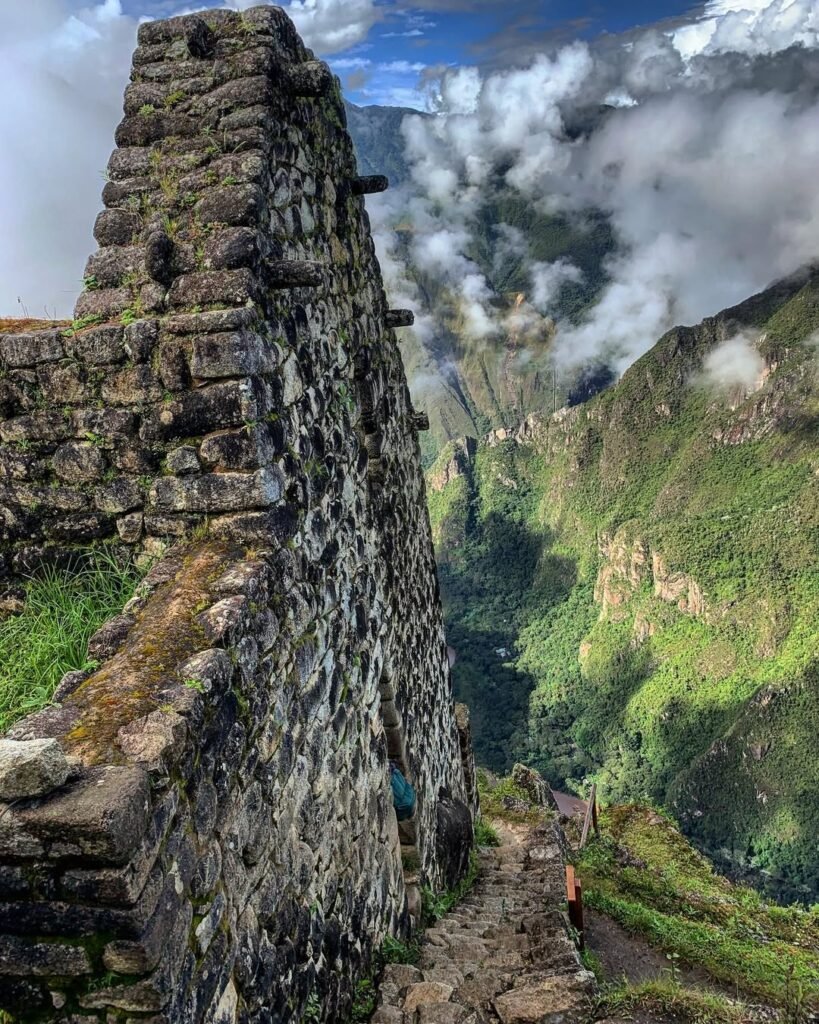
point(379, 145)
point(632, 585)
point(466, 386)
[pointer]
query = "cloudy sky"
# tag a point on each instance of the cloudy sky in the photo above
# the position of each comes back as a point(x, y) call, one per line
point(706, 168)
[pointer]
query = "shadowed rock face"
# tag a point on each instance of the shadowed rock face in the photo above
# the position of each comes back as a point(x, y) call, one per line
point(225, 847)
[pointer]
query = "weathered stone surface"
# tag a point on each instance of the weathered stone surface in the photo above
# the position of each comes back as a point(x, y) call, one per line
point(30, 768)
point(40, 958)
point(121, 495)
point(559, 1000)
point(151, 740)
point(78, 463)
point(31, 349)
point(425, 992)
point(399, 318)
point(183, 460)
point(453, 837)
point(217, 492)
point(294, 274)
point(231, 355)
point(101, 814)
point(369, 184)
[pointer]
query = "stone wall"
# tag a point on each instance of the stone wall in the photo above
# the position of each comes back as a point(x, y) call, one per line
point(220, 844)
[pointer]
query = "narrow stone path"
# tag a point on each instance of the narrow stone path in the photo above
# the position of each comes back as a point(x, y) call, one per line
point(503, 954)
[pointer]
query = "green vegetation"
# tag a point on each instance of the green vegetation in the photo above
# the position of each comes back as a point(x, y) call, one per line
point(437, 904)
point(393, 951)
point(668, 997)
point(646, 876)
point(485, 833)
point(503, 800)
point(364, 1005)
point(691, 681)
point(49, 638)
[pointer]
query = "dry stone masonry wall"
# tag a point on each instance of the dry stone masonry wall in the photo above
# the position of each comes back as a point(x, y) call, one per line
point(221, 844)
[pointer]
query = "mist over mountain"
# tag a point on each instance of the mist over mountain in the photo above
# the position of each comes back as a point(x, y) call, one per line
point(562, 215)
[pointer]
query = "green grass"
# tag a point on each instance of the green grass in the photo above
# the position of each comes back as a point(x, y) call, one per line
point(63, 609)
point(485, 833)
point(691, 1006)
point(649, 879)
point(494, 795)
point(436, 905)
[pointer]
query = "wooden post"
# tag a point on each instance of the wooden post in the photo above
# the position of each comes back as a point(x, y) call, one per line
point(590, 811)
point(574, 898)
point(594, 810)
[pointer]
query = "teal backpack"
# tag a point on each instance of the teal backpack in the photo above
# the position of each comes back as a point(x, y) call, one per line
point(403, 795)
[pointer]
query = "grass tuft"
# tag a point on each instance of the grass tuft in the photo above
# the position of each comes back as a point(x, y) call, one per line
point(50, 637)
point(485, 833)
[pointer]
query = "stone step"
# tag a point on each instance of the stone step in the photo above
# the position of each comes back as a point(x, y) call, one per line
point(502, 956)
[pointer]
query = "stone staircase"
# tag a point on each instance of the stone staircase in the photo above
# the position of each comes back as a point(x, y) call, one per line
point(504, 953)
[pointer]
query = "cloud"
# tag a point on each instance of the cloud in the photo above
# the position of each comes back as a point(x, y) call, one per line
point(329, 26)
point(62, 75)
point(735, 363)
point(751, 27)
point(705, 168)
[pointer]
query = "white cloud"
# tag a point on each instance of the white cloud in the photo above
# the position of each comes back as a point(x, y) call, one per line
point(734, 363)
point(709, 183)
point(61, 80)
point(329, 26)
point(750, 26)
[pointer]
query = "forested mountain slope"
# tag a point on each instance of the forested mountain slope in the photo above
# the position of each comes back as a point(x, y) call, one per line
point(632, 585)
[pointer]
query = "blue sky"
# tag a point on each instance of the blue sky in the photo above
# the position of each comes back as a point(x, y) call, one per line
point(386, 65)
point(490, 33)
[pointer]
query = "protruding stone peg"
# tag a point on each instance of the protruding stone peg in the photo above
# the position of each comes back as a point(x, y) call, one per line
point(312, 78)
point(369, 184)
point(420, 421)
point(294, 273)
point(399, 318)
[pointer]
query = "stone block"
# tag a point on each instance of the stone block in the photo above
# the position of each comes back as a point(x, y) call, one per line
point(21, 957)
point(221, 287)
point(78, 463)
point(237, 354)
point(217, 492)
point(30, 768)
point(183, 460)
point(250, 447)
point(424, 992)
point(234, 205)
point(153, 740)
point(223, 404)
point(102, 814)
point(18, 350)
point(120, 495)
point(100, 346)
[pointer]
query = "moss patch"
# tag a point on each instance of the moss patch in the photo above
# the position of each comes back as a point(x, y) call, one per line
point(165, 634)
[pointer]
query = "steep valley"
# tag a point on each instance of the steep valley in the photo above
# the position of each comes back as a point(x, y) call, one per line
point(632, 586)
